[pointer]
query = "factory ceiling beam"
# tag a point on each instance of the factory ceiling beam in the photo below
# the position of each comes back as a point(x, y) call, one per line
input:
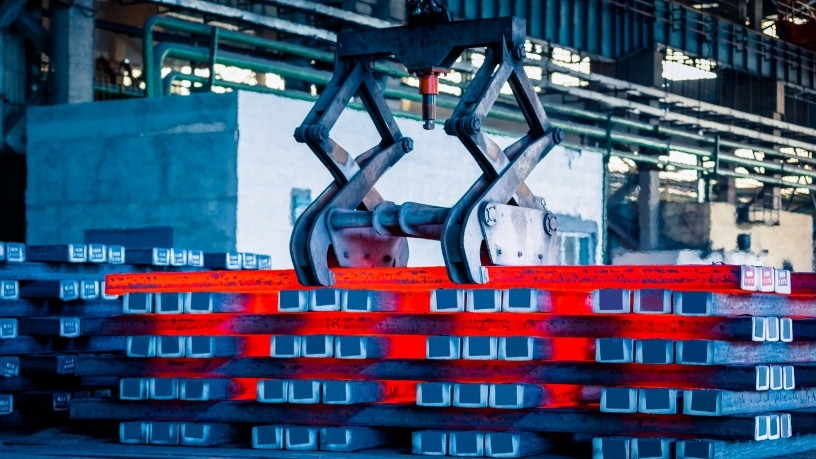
point(337, 13)
point(687, 120)
point(611, 30)
point(251, 18)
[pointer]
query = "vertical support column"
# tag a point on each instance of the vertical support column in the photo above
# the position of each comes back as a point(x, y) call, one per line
point(649, 207)
point(13, 62)
point(726, 190)
point(642, 68)
point(3, 40)
point(772, 195)
point(73, 58)
point(605, 252)
point(754, 14)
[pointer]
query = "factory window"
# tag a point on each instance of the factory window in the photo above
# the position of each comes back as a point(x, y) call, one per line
point(572, 61)
point(577, 249)
point(679, 67)
point(299, 201)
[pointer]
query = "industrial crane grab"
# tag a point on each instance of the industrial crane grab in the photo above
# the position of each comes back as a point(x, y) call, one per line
point(498, 220)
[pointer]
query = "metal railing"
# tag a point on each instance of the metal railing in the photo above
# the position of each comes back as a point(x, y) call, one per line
point(787, 10)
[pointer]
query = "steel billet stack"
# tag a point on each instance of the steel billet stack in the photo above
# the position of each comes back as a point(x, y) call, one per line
point(47, 294)
point(702, 361)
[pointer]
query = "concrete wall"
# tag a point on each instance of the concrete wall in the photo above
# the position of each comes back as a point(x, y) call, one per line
point(791, 240)
point(714, 226)
point(688, 257)
point(135, 163)
point(684, 225)
point(220, 169)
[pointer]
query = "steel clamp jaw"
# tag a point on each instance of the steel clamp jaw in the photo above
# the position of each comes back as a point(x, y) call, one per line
point(521, 225)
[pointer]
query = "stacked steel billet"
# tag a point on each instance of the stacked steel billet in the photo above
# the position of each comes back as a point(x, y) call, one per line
point(702, 361)
point(47, 294)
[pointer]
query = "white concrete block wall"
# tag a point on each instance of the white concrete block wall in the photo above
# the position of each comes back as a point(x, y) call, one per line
point(438, 171)
point(791, 240)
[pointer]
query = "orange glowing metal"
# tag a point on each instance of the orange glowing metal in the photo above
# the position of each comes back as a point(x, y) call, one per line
point(721, 278)
point(499, 324)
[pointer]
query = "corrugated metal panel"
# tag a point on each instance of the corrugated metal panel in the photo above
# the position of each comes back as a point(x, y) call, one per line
point(596, 27)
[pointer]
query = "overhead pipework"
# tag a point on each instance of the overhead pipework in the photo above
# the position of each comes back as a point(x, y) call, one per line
point(498, 221)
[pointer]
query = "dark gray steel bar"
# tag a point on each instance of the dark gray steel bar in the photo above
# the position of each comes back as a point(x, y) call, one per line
point(756, 304)
point(37, 345)
point(729, 377)
point(719, 403)
point(62, 253)
point(223, 260)
point(88, 308)
point(65, 290)
point(783, 447)
point(60, 364)
point(595, 326)
point(541, 420)
point(67, 327)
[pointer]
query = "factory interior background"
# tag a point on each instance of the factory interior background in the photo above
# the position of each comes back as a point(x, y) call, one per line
point(689, 139)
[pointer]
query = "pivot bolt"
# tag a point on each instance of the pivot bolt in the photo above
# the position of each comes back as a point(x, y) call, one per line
point(519, 52)
point(557, 136)
point(471, 125)
point(407, 144)
point(550, 223)
point(489, 215)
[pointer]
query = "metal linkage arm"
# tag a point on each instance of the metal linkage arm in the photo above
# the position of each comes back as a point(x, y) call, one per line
point(353, 184)
point(351, 225)
point(499, 211)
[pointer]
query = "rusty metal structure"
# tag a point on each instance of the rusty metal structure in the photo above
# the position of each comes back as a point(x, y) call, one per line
point(498, 215)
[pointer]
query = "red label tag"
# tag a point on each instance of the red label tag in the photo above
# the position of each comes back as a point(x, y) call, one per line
point(749, 281)
point(767, 279)
point(782, 281)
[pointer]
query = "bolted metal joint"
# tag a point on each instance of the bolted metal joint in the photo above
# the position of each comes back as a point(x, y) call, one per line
point(519, 52)
point(407, 144)
point(489, 215)
point(318, 133)
point(557, 136)
point(550, 223)
point(467, 125)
